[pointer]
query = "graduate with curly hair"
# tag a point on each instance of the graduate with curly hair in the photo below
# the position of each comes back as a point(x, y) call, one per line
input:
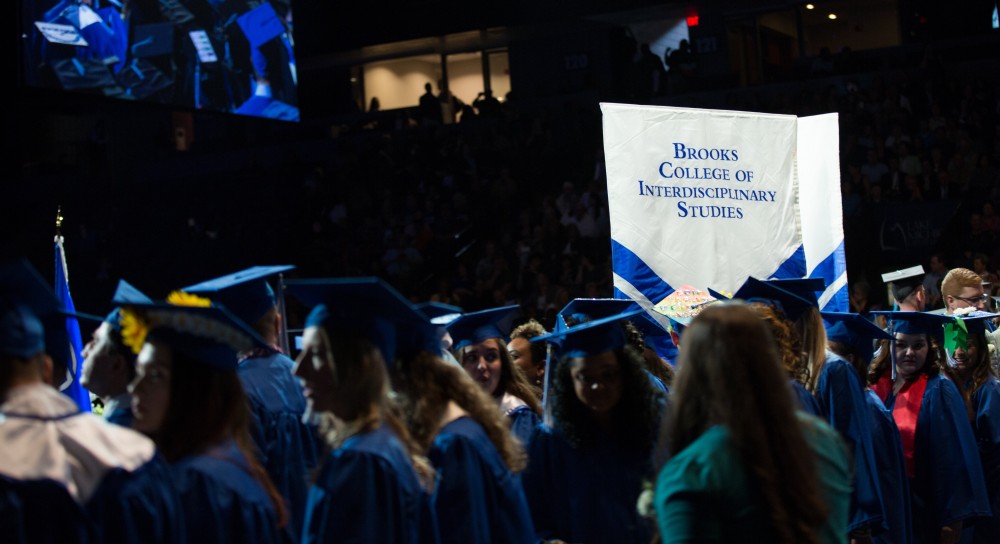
point(586, 469)
point(479, 496)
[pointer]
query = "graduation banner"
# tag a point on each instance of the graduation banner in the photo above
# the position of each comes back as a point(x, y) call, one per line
point(708, 198)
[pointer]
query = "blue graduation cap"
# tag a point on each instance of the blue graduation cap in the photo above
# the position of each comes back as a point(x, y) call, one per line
point(580, 310)
point(369, 307)
point(915, 322)
point(854, 330)
point(211, 335)
point(439, 313)
point(592, 337)
point(246, 293)
point(28, 310)
point(261, 24)
point(754, 290)
point(474, 327)
point(805, 288)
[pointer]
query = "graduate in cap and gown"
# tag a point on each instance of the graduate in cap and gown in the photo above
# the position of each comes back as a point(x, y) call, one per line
point(942, 462)
point(108, 364)
point(65, 475)
point(478, 496)
point(967, 350)
point(637, 327)
point(586, 470)
point(779, 309)
point(374, 484)
point(481, 347)
point(852, 336)
point(188, 398)
point(284, 444)
point(745, 464)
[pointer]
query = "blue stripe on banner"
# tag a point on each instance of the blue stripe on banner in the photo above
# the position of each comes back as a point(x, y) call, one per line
point(634, 270)
point(839, 302)
point(831, 268)
point(793, 267)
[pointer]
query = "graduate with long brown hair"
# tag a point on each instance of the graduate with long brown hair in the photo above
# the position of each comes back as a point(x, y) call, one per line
point(745, 465)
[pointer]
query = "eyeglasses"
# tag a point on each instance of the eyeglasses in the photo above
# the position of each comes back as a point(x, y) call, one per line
point(973, 300)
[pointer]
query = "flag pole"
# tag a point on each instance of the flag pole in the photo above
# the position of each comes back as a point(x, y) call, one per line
point(283, 339)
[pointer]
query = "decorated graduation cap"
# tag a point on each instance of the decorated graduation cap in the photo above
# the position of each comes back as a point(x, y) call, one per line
point(854, 330)
point(210, 335)
point(805, 288)
point(957, 331)
point(475, 327)
point(25, 299)
point(592, 337)
point(246, 293)
point(902, 283)
point(755, 290)
point(369, 307)
point(683, 304)
point(125, 293)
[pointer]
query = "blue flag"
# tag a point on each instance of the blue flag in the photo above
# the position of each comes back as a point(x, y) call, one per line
point(74, 390)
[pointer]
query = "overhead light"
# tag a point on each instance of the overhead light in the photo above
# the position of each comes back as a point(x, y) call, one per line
point(831, 16)
point(810, 6)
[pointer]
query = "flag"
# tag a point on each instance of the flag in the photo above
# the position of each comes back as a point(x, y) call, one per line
point(71, 387)
point(708, 198)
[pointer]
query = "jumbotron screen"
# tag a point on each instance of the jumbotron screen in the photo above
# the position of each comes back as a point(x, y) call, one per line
point(234, 56)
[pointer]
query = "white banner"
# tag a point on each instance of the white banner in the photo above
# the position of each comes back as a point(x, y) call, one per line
point(709, 197)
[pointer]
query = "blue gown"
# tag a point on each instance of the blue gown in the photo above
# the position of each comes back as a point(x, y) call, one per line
point(68, 476)
point(42, 512)
point(587, 494)
point(523, 421)
point(986, 402)
point(948, 484)
point(222, 501)
point(805, 400)
point(477, 499)
point(367, 491)
point(285, 446)
point(841, 398)
point(890, 464)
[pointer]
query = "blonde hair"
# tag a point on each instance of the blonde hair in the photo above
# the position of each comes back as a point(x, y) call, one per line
point(957, 279)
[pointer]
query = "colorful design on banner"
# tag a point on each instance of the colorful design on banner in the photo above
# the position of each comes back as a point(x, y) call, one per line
point(706, 198)
point(685, 302)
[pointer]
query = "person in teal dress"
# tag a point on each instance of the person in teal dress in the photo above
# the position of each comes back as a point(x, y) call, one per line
point(743, 464)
